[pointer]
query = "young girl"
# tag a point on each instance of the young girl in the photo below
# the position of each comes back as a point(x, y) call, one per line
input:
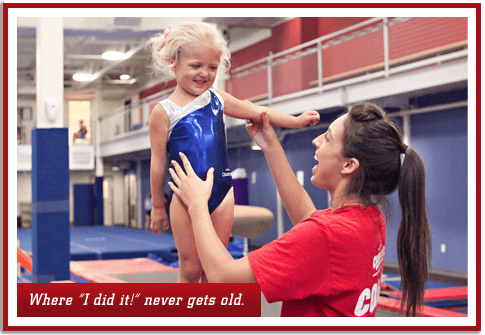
point(191, 121)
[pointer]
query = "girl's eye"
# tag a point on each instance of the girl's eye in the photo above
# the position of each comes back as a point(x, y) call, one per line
point(195, 66)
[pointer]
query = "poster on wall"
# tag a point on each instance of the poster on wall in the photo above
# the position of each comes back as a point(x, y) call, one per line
point(81, 157)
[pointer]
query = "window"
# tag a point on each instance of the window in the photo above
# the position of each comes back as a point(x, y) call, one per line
point(79, 122)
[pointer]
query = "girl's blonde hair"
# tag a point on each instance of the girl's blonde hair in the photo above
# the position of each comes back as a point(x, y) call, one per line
point(166, 48)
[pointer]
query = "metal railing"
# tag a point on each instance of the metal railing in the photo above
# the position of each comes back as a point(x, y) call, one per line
point(130, 118)
point(365, 51)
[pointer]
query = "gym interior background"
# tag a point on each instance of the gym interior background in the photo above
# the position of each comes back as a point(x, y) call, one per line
point(415, 68)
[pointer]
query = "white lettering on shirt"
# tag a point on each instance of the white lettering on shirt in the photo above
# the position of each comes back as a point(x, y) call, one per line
point(363, 305)
point(368, 299)
point(379, 258)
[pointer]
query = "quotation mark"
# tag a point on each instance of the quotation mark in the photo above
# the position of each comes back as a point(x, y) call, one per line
point(82, 295)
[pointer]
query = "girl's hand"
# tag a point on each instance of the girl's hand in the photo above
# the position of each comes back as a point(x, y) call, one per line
point(262, 132)
point(158, 218)
point(309, 117)
point(192, 190)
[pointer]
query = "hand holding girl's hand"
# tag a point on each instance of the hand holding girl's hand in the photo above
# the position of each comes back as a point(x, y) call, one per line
point(309, 117)
point(262, 132)
point(192, 190)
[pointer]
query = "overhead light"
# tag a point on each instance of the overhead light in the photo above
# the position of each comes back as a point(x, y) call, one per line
point(125, 77)
point(113, 55)
point(82, 76)
point(115, 168)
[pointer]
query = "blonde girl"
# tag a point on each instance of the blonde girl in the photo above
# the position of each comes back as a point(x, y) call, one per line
point(190, 121)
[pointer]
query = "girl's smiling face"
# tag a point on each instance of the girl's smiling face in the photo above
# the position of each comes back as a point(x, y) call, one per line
point(197, 69)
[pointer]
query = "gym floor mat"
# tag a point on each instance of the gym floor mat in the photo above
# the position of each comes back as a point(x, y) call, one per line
point(102, 242)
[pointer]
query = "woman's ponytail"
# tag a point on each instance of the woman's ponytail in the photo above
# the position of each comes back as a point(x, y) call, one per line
point(414, 237)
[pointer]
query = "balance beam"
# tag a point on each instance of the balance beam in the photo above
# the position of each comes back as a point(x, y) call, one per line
point(251, 221)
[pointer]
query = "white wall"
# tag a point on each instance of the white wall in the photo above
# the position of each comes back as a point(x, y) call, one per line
point(119, 197)
point(24, 188)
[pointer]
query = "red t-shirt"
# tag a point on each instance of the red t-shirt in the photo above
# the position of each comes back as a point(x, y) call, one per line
point(327, 265)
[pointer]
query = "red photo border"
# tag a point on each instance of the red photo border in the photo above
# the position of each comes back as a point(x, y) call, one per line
point(8, 6)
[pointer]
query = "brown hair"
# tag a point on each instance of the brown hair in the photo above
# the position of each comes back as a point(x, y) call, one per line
point(376, 142)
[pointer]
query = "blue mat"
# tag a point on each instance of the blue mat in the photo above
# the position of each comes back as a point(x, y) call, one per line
point(102, 242)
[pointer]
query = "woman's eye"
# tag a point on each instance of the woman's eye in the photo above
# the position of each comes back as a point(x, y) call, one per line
point(326, 137)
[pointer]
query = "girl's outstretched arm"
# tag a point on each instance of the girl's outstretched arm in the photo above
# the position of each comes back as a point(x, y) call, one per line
point(218, 264)
point(242, 110)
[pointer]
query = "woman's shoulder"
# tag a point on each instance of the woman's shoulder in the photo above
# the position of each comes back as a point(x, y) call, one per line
point(348, 216)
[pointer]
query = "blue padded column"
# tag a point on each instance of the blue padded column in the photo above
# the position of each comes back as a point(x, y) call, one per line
point(50, 205)
point(99, 202)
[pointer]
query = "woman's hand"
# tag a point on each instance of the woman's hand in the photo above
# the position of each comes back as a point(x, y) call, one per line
point(192, 190)
point(262, 132)
point(309, 117)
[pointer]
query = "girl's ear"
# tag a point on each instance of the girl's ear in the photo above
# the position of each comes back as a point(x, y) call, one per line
point(351, 166)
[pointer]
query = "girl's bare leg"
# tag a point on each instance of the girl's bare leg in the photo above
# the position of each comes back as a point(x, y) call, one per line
point(190, 268)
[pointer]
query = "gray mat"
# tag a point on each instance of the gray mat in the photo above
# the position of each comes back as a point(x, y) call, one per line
point(267, 310)
point(148, 277)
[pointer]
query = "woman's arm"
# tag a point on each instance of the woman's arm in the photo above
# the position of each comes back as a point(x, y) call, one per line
point(217, 262)
point(158, 128)
point(242, 110)
point(296, 200)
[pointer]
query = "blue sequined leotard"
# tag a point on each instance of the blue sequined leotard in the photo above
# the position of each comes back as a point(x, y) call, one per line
point(197, 130)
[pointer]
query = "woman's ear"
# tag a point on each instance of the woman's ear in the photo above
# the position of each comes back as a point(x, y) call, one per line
point(351, 166)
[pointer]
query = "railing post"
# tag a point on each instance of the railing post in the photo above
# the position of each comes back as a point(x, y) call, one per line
point(320, 64)
point(406, 129)
point(270, 76)
point(386, 48)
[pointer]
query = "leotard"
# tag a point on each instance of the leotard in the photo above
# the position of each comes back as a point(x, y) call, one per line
point(197, 130)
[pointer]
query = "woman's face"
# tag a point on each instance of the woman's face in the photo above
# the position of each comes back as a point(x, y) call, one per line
point(327, 173)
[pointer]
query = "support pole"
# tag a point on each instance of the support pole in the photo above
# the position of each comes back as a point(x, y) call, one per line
point(50, 159)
